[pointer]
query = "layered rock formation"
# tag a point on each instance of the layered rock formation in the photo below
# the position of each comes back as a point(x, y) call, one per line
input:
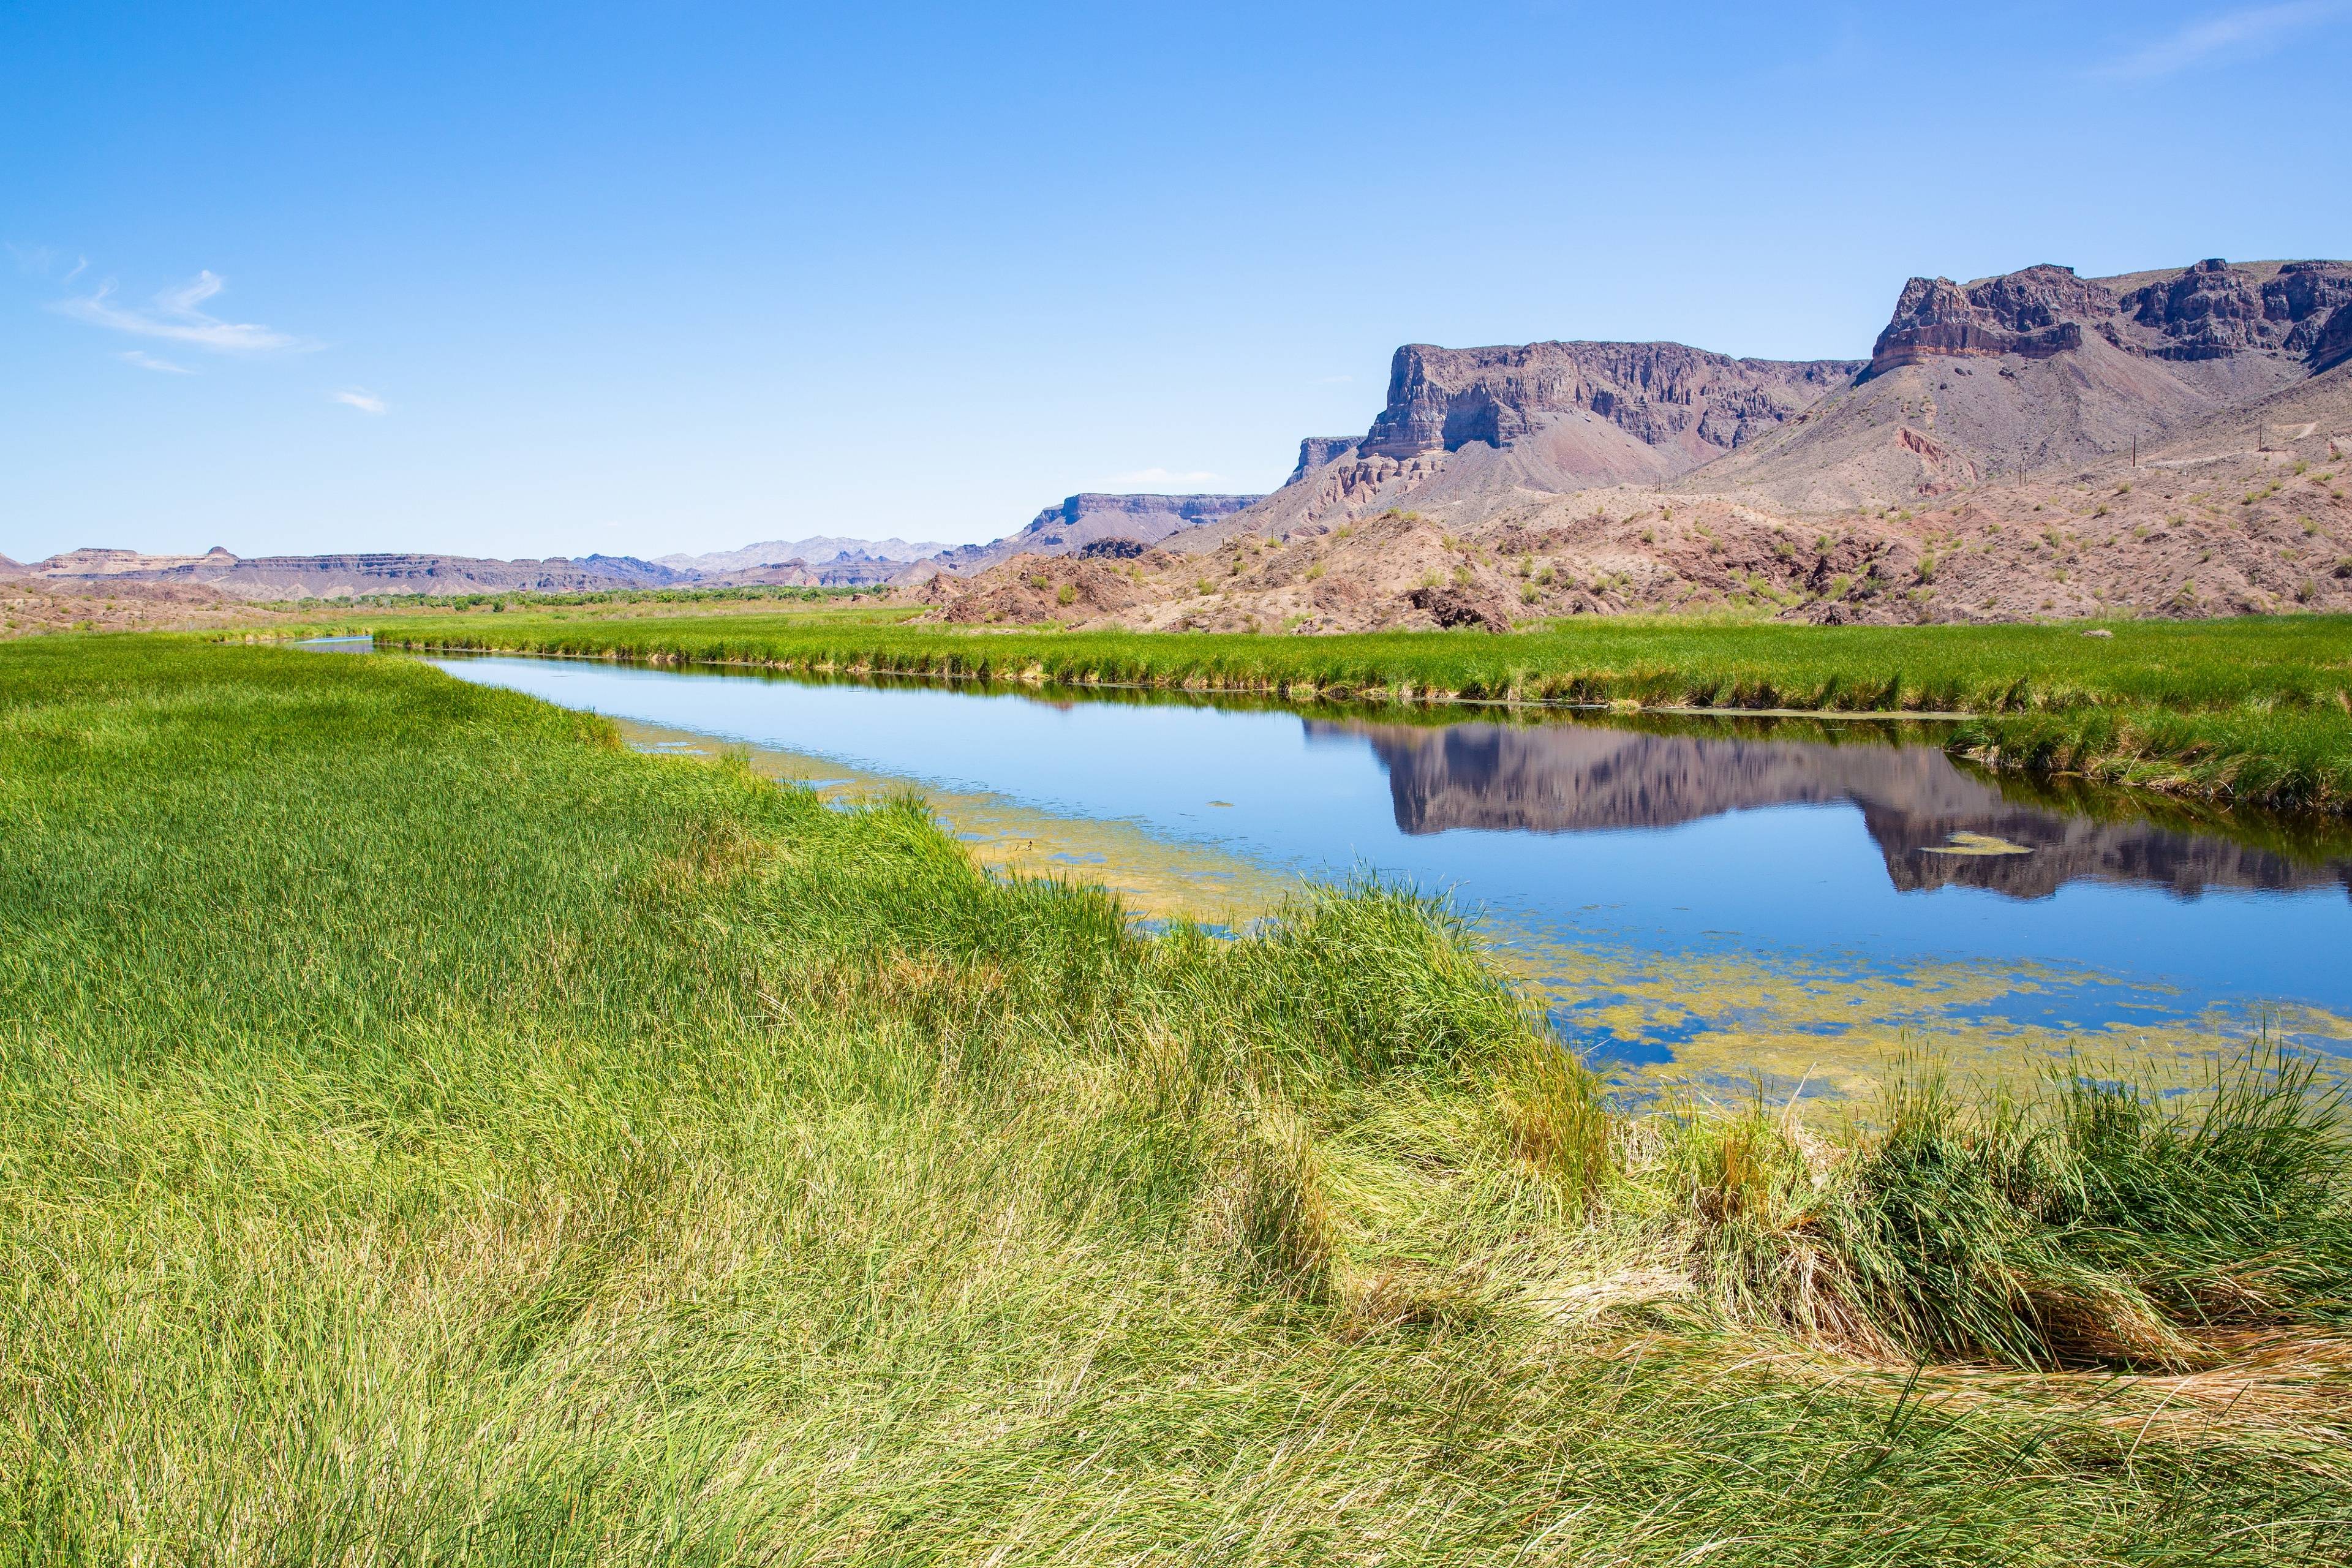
point(1684, 404)
point(821, 562)
point(2208, 311)
point(2036, 313)
point(2038, 445)
point(1467, 432)
point(1968, 384)
point(2042, 371)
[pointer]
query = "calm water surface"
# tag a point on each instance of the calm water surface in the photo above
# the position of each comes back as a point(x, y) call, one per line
point(1717, 899)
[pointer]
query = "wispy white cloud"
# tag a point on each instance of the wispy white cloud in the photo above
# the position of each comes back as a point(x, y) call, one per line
point(2247, 33)
point(40, 260)
point(146, 361)
point(364, 401)
point(1164, 477)
point(175, 315)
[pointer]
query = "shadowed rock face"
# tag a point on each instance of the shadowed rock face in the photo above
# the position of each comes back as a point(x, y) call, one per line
point(1567, 778)
point(2334, 345)
point(1315, 451)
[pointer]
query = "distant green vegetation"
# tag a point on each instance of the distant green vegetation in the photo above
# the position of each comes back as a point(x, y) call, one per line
point(508, 600)
point(2257, 710)
point(430, 1132)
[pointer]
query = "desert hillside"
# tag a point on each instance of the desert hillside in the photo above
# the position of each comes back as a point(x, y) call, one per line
point(2033, 444)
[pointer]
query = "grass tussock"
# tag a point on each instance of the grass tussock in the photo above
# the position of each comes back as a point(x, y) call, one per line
point(2253, 710)
point(2101, 1223)
point(431, 1132)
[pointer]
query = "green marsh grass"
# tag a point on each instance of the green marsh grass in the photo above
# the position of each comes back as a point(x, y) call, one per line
point(430, 1132)
point(2257, 710)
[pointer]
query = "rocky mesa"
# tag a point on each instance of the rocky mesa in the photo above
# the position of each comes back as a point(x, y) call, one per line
point(2037, 444)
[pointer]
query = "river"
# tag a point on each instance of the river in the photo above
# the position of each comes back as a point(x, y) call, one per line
point(1729, 906)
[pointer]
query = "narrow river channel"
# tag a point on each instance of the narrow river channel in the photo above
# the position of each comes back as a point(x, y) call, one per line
point(1726, 903)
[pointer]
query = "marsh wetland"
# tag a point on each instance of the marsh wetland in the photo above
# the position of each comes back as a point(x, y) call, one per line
point(1723, 904)
point(438, 1125)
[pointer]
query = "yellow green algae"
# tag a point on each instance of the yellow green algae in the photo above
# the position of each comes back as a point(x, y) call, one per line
point(1738, 1021)
point(1966, 843)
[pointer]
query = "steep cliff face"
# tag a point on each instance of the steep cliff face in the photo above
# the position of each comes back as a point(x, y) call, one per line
point(1467, 432)
point(1319, 451)
point(2036, 313)
point(1081, 520)
point(2040, 371)
point(2333, 346)
point(2213, 308)
point(2208, 311)
point(1663, 395)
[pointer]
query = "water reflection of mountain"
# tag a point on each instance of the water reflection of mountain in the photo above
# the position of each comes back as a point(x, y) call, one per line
point(1566, 778)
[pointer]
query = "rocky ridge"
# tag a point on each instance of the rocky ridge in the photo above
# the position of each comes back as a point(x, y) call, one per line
point(2040, 444)
point(838, 563)
point(2208, 311)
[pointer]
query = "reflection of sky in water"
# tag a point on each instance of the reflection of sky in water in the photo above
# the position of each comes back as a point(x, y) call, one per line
point(1773, 883)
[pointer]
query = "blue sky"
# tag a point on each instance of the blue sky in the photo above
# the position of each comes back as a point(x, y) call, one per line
point(637, 279)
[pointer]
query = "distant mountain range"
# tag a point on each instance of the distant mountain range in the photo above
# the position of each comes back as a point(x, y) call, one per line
point(1947, 477)
point(824, 560)
point(1091, 518)
point(820, 551)
point(349, 577)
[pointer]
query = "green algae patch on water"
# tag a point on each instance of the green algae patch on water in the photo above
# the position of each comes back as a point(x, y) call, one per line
point(1725, 1025)
point(1966, 843)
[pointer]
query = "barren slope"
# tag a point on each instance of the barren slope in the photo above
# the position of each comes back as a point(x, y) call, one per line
point(2206, 524)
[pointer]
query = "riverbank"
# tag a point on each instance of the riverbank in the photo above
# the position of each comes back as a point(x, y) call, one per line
point(2254, 711)
point(434, 1130)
